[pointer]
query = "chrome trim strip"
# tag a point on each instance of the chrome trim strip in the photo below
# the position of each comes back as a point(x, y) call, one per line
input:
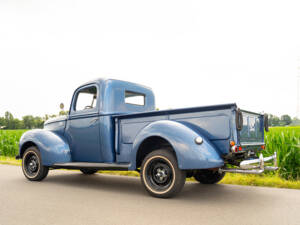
point(245, 144)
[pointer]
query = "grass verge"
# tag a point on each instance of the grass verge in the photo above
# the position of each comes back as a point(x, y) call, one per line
point(10, 161)
point(264, 180)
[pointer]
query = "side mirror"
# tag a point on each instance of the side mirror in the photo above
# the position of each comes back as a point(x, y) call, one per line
point(239, 119)
point(266, 122)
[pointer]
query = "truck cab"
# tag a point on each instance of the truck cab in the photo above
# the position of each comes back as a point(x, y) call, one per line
point(89, 128)
point(113, 125)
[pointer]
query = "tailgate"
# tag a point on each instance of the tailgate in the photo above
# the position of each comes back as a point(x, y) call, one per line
point(252, 132)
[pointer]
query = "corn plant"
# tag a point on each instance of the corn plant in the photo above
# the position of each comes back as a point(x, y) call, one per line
point(9, 142)
point(286, 142)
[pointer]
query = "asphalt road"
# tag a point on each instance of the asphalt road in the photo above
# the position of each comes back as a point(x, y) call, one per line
point(68, 197)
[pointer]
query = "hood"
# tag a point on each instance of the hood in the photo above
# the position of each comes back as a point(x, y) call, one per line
point(56, 119)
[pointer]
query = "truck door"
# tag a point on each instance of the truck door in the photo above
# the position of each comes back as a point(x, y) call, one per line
point(83, 125)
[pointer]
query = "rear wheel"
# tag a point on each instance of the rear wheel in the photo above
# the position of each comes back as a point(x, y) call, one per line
point(32, 165)
point(88, 171)
point(208, 176)
point(160, 174)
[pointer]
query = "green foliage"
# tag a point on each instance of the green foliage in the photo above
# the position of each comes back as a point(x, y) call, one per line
point(285, 120)
point(63, 113)
point(286, 141)
point(295, 122)
point(264, 180)
point(9, 142)
point(273, 120)
point(27, 122)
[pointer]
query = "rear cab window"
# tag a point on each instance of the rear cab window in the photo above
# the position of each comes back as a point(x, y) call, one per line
point(134, 98)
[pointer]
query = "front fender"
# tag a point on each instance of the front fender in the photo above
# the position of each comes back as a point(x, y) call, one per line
point(53, 148)
point(182, 138)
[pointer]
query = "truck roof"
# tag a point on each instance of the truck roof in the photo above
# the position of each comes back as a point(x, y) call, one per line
point(100, 80)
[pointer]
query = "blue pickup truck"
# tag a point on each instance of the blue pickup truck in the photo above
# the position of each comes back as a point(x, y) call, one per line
point(113, 125)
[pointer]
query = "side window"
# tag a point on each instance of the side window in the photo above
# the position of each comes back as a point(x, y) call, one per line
point(134, 98)
point(86, 99)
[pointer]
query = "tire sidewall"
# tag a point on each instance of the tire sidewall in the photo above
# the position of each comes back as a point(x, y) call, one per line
point(145, 180)
point(42, 170)
point(178, 178)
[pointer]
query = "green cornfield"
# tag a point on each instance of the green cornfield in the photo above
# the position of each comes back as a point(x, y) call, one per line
point(9, 142)
point(284, 140)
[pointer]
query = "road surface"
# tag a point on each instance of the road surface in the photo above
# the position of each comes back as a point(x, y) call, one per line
point(68, 197)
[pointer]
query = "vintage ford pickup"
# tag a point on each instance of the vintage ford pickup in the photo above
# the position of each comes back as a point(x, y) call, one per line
point(113, 125)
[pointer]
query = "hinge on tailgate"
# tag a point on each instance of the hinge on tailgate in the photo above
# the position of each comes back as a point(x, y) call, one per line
point(117, 136)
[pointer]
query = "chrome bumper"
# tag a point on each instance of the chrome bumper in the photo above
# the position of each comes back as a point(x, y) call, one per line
point(254, 166)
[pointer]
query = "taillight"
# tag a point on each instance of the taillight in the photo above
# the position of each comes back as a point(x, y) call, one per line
point(235, 148)
point(263, 147)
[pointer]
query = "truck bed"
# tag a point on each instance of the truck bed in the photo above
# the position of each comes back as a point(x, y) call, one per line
point(214, 122)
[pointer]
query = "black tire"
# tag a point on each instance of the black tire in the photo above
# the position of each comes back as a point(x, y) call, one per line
point(208, 176)
point(87, 171)
point(32, 165)
point(160, 174)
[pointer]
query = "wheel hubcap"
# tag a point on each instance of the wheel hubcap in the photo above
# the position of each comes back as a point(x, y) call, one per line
point(31, 164)
point(159, 174)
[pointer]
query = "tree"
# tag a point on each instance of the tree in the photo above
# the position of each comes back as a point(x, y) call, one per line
point(285, 120)
point(295, 122)
point(28, 121)
point(18, 124)
point(62, 113)
point(8, 119)
point(38, 122)
point(273, 120)
point(2, 121)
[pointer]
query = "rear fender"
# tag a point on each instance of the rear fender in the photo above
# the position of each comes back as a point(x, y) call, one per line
point(182, 139)
point(53, 148)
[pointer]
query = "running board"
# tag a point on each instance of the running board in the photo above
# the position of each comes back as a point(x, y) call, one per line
point(99, 166)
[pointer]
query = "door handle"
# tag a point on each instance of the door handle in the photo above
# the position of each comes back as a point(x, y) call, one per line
point(94, 121)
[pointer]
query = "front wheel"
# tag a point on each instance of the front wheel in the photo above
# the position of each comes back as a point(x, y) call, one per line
point(208, 176)
point(32, 165)
point(160, 174)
